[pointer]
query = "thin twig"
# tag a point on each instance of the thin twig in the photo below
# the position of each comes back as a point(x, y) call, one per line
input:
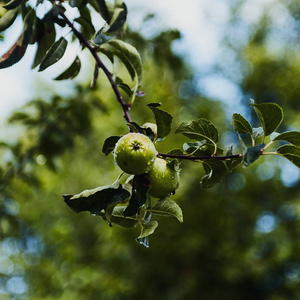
point(188, 157)
point(100, 64)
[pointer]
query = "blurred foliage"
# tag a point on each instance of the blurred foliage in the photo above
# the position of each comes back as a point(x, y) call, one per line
point(239, 240)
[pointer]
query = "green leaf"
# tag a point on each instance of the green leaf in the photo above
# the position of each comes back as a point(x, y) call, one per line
point(292, 137)
point(148, 229)
point(118, 19)
point(232, 162)
point(270, 116)
point(86, 24)
point(252, 154)
point(240, 124)
point(72, 71)
point(144, 130)
point(7, 20)
point(200, 130)
point(290, 152)
point(140, 187)
point(97, 199)
point(103, 10)
point(118, 218)
point(167, 207)
point(100, 38)
point(214, 170)
point(129, 55)
point(258, 132)
point(12, 4)
point(109, 144)
point(17, 51)
point(163, 121)
point(55, 53)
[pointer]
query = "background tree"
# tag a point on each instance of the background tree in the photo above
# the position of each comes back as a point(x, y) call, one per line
point(238, 239)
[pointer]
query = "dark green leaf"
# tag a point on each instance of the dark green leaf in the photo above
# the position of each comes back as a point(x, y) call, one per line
point(44, 44)
point(128, 54)
point(12, 4)
point(86, 25)
point(176, 152)
point(17, 51)
point(109, 144)
point(72, 71)
point(292, 137)
point(7, 20)
point(214, 170)
point(163, 121)
point(55, 53)
point(252, 154)
point(240, 124)
point(107, 53)
point(290, 152)
point(146, 131)
point(97, 199)
point(140, 187)
point(167, 207)
point(103, 10)
point(270, 116)
point(77, 3)
point(118, 19)
point(232, 162)
point(118, 218)
point(200, 130)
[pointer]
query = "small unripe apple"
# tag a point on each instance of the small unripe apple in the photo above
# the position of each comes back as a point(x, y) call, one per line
point(152, 126)
point(163, 178)
point(134, 153)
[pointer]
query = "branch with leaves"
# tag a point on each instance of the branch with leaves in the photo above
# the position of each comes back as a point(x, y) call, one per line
point(128, 201)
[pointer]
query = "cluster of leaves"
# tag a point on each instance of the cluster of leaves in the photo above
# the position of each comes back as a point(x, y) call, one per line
point(43, 32)
point(128, 205)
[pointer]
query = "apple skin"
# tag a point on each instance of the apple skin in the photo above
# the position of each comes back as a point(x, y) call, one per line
point(164, 179)
point(134, 153)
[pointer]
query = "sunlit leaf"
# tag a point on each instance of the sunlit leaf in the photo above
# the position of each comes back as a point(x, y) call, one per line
point(258, 132)
point(270, 116)
point(163, 121)
point(72, 71)
point(55, 53)
point(167, 207)
point(240, 124)
point(252, 154)
point(292, 137)
point(17, 51)
point(8, 19)
point(118, 19)
point(129, 54)
point(290, 152)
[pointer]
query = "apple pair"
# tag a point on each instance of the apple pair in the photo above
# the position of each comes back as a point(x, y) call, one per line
point(135, 154)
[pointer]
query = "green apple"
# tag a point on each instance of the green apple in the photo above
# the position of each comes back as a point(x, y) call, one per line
point(163, 178)
point(135, 153)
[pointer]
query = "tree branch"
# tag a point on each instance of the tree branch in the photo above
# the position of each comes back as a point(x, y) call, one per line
point(188, 157)
point(100, 64)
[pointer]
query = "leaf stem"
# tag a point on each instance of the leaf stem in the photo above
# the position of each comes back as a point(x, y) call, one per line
point(93, 51)
point(188, 157)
